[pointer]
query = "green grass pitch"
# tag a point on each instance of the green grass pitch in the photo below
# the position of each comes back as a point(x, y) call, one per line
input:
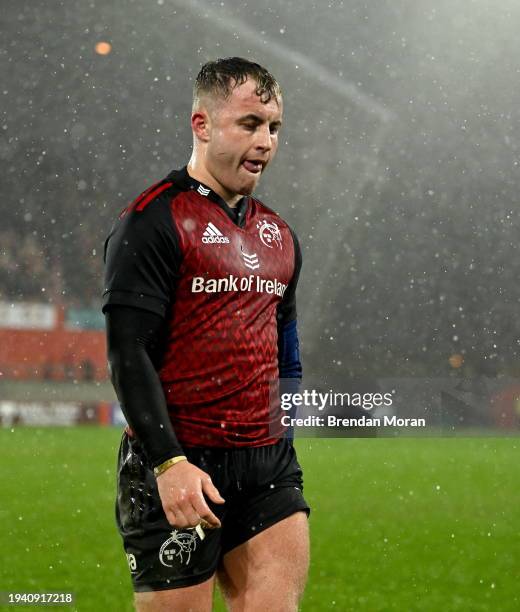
point(397, 524)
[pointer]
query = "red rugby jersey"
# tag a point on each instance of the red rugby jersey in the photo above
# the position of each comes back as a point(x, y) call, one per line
point(224, 279)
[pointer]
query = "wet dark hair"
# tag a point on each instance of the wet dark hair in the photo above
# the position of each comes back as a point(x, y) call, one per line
point(218, 79)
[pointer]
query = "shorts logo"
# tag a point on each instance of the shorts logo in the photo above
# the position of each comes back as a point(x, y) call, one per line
point(212, 234)
point(269, 233)
point(132, 563)
point(180, 545)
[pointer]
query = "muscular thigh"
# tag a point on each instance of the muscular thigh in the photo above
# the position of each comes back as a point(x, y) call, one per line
point(196, 598)
point(269, 568)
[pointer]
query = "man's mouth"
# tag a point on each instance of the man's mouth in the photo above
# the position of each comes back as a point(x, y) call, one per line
point(253, 165)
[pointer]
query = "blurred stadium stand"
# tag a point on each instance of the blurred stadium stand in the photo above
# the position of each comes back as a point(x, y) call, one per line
point(51, 343)
point(53, 368)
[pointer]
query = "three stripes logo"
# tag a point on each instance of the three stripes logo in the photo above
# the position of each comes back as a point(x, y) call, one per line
point(202, 190)
point(212, 235)
point(250, 261)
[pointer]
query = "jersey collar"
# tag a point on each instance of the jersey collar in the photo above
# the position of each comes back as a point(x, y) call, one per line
point(237, 213)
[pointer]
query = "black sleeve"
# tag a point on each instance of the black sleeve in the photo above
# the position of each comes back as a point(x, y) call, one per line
point(134, 339)
point(142, 258)
point(286, 310)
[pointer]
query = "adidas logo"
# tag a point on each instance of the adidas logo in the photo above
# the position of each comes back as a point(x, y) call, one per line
point(251, 261)
point(212, 234)
point(202, 190)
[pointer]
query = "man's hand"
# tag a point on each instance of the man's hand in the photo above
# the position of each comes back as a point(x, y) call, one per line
point(181, 489)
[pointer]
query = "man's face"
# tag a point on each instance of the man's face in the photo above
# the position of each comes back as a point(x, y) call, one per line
point(243, 138)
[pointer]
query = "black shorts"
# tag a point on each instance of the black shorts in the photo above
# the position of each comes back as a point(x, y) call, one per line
point(261, 485)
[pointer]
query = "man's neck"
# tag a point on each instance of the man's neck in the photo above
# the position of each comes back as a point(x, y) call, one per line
point(201, 175)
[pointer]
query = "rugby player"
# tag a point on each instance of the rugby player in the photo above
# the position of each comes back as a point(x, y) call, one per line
point(200, 309)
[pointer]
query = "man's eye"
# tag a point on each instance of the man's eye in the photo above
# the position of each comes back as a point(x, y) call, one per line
point(274, 129)
point(250, 127)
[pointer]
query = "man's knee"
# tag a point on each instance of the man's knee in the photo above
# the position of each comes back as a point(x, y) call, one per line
point(282, 595)
point(196, 598)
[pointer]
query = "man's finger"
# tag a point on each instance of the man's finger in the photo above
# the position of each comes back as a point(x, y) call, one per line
point(179, 520)
point(205, 525)
point(204, 512)
point(211, 491)
point(186, 506)
point(192, 517)
point(171, 517)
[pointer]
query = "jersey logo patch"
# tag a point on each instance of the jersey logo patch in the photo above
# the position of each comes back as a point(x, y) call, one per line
point(269, 233)
point(202, 190)
point(250, 261)
point(212, 234)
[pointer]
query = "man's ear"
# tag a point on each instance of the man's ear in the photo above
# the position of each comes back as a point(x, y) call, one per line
point(201, 124)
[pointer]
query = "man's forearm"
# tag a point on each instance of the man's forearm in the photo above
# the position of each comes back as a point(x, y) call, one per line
point(131, 334)
point(289, 366)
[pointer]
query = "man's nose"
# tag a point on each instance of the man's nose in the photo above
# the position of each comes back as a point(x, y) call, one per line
point(264, 138)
